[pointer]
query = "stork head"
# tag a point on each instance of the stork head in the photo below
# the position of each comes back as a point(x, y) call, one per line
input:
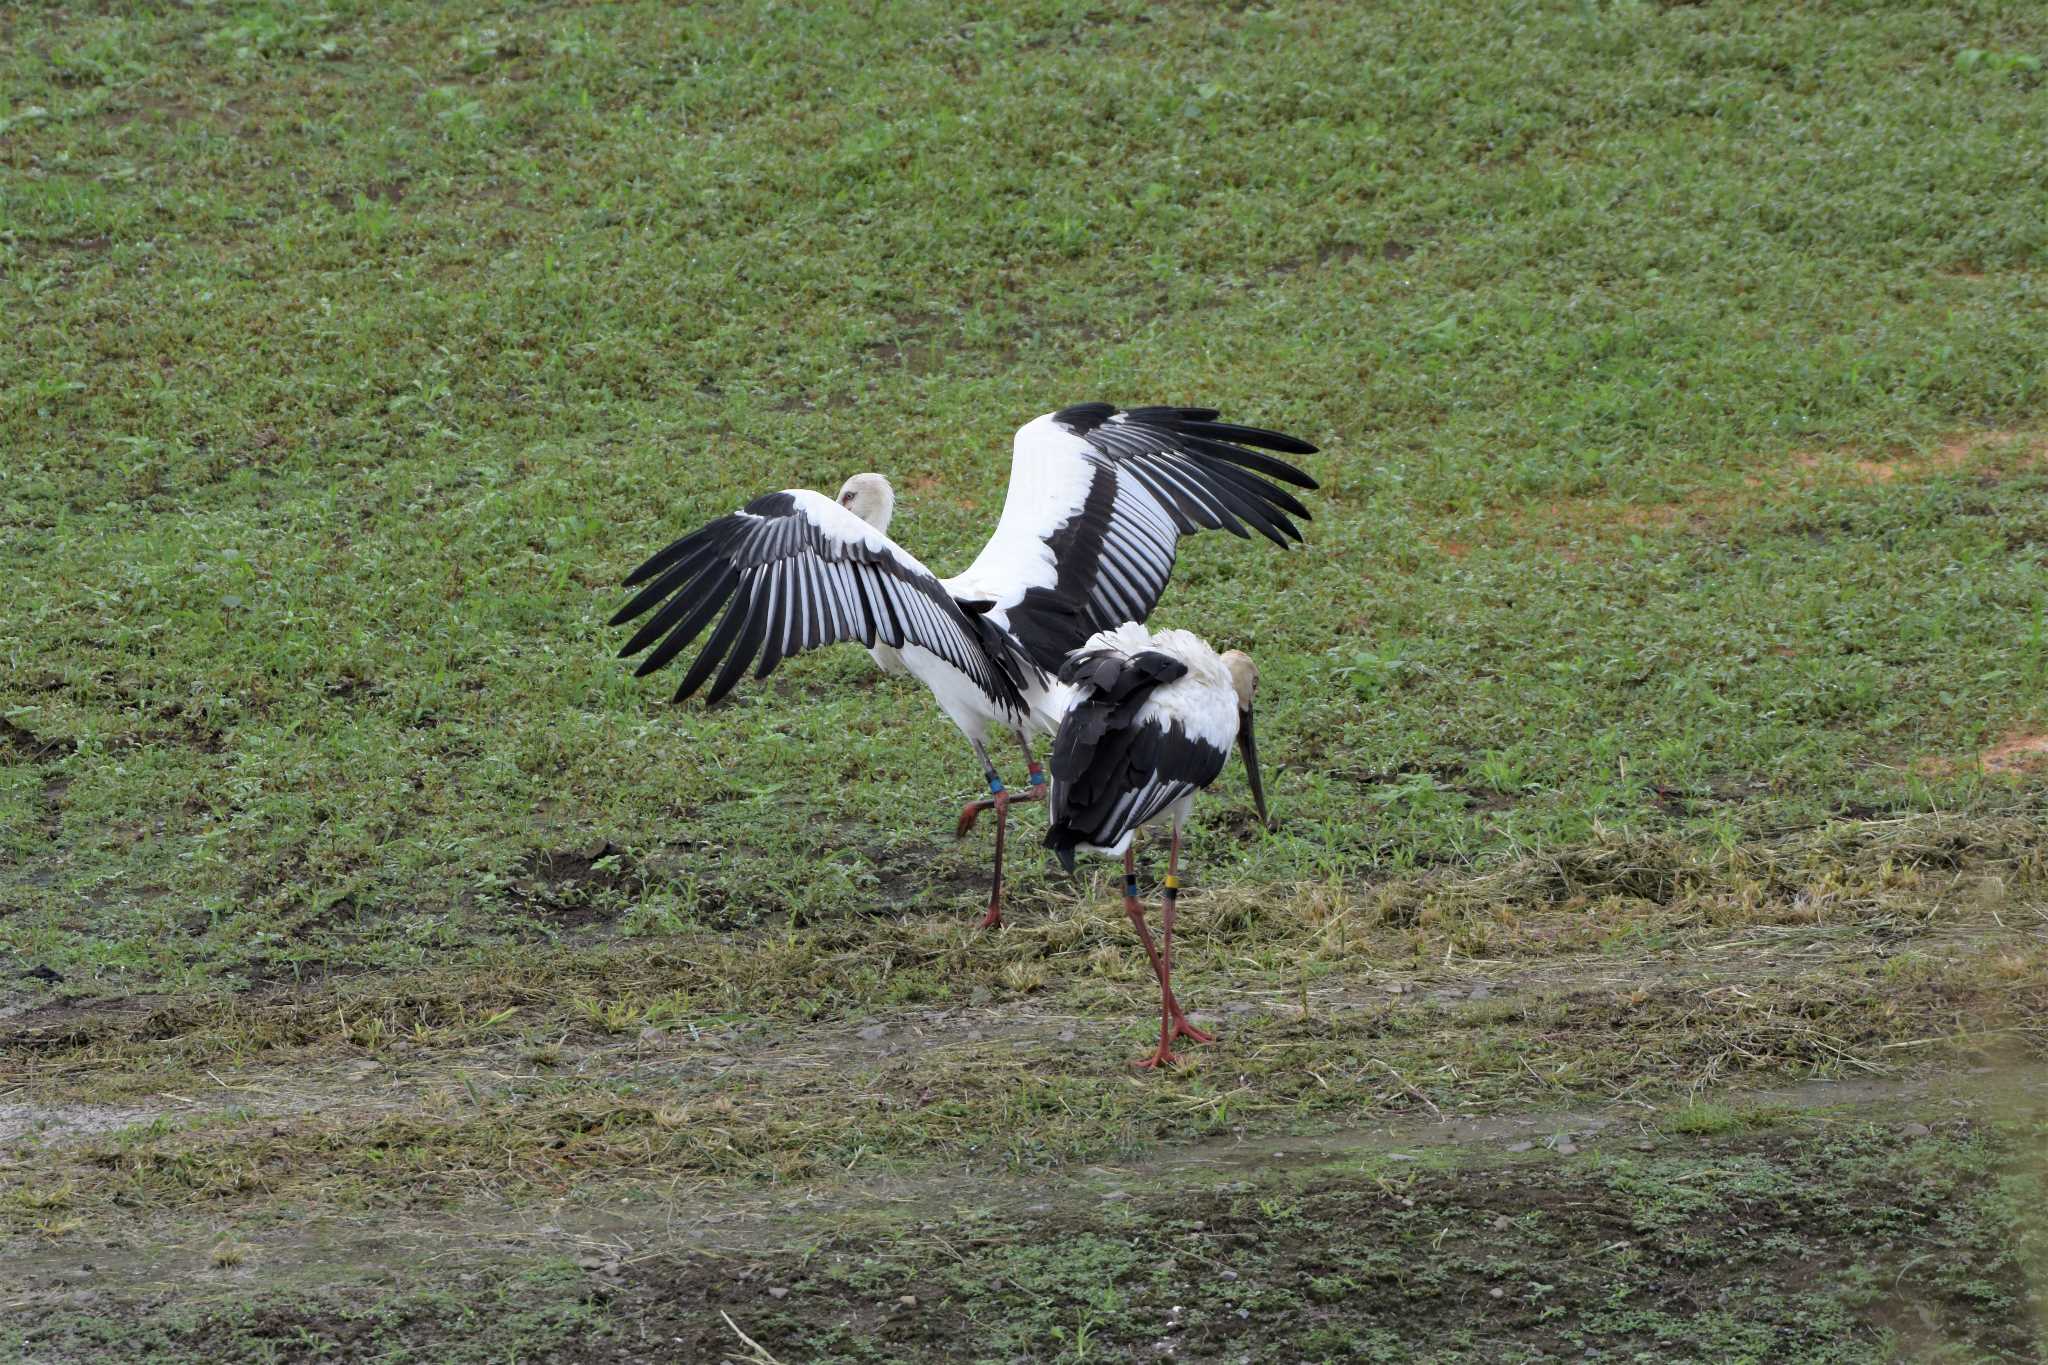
point(1244, 676)
point(869, 497)
point(1244, 680)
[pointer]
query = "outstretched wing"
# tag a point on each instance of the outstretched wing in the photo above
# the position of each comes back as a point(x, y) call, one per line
point(1098, 501)
point(1121, 758)
point(800, 571)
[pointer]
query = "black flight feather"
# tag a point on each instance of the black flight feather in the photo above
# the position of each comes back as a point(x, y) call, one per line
point(785, 585)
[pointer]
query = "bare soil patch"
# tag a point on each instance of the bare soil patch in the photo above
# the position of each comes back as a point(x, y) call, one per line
point(26, 747)
point(1945, 456)
point(2016, 753)
point(576, 887)
point(1560, 522)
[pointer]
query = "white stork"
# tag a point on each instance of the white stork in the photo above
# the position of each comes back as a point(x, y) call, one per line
point(1149, 722)
point(1098, 500)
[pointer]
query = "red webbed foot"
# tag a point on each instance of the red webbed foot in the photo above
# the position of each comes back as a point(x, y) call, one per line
point(970, 813)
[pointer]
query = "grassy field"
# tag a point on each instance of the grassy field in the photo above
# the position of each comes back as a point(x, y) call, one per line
point(1651, 960)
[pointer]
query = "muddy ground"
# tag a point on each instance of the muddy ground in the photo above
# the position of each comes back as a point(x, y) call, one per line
point(188, 1187)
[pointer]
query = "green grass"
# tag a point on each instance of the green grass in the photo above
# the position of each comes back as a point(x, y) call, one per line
point(1843, 1238)
point(1682, 545)
point(356, 354)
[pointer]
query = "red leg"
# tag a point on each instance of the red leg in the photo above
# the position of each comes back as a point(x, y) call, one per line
point(1035, 789)
point(971, 812)
point(998, 800)
point(1137, 914)
point(1180, 1027)
point(994, 916)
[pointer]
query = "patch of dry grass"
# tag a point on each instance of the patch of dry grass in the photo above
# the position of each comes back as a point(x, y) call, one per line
point(1638, 966)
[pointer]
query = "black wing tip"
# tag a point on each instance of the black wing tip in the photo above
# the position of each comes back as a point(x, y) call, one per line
point(648, 568)
point(1288, 474)
point(689, 689)
point(676, 550)
point(1274, 440)
point(1277, 537)
point(653, 565)
point(1084, 417)
point(1256, 436)
point(1262, 437)
point(1062, 842)
point(1081, 418)
point(1300, 478)
point(1256, 461)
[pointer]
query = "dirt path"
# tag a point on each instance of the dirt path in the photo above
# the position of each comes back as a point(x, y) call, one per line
point(1849, 1090)
point(791, 1264)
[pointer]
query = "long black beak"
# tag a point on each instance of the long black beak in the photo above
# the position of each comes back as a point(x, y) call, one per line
point(1250, 745)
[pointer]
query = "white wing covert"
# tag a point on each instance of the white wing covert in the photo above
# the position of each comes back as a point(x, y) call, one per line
point(1097, 503)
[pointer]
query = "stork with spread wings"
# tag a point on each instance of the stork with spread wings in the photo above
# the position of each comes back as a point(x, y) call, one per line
point(1099, 498)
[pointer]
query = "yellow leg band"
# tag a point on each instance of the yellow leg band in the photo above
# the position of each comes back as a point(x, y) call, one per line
point(1172, 882)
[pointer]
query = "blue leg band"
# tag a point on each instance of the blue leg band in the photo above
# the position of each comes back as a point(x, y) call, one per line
point(995, 784)
point(1131, 887)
